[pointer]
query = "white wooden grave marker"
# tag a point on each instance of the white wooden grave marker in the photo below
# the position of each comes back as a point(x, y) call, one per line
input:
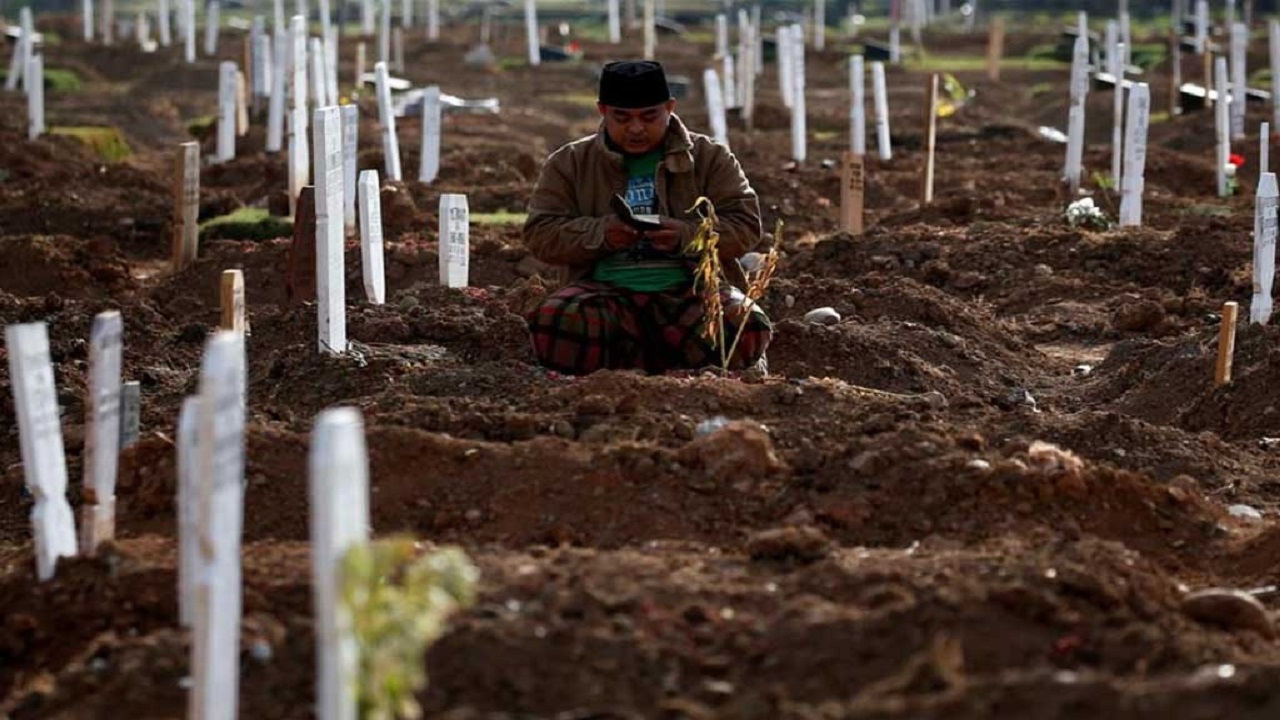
point(1117, 114)
point(211, 23)
point(1202, 26)
point(397, 49)
point(615, 21)
point(298, 62)
point(102, 431)
point(35, 400)
point(729, 85)
point(350, 163)
point(531, 32)
point(384, 31)
point(371, 260)
point(748, 79)
point(1239, 79)
point(326, 22)
point(166, 28)
point(259, 58)
point(339, 521)
point(429, 163)
point(1222, 124)
point(277, 16)
point(1126, 40)
point(857, 108)
point(189, 21)
point(275, 106)
point(331, 57)
point(819, 25)
point(215, 644)
point(186, 206)
point(331, 301)
point(361, 52)
point(386, 116)
point(18, 62)
point(86, 17)
point(881, 101)
point(226, 148)
point(1264, 148)
point(188, 508)
point(299, 158)
point(1264, 249)
point(1273, 36)
point(317, 74)
point(650, 29)
point(35, 97)
point(368, 19)
point(799, 126)
point(1079, 90)
point(1135, 155)
point(455, 240)
point(715, 107)
point(782, 39)
point(231, 292)
point(433, 20)
point(130, 413)
point(722, 35)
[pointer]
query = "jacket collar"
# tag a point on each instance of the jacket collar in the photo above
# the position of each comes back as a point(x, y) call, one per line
point(677, 147)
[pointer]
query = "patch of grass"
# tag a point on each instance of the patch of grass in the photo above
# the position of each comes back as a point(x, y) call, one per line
point(199, 125)
point(502, 217)
point(107, 142)
point(246, 224)
point(975, 63)
point(1209, 210)
point(56, 80)
point(584, 99)
point(1159, 117)
point(1043, 88)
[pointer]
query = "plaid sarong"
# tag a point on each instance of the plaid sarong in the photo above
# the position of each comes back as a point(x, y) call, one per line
point(589, 326)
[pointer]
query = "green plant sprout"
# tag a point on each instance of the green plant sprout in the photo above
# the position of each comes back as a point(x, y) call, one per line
point(399, 603)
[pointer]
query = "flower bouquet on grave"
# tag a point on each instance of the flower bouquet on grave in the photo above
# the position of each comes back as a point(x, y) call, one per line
point(1083, 213)
point(1234, 162)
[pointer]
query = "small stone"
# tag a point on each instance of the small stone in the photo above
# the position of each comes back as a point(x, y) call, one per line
point(473, 516)
point(978, 464)
point(563, 428)
point(706, 427)
point(801, 544)
point(409, 301)
point(935, 400)
point(1269, 443)
point(1244, 511)
point(1138, 316)
point(1042, 270)
point(1082, 370)
point(1020, 397)
point(741, 450)
point(260, 650)
point(822, 316)
point(1229, 609)
point(789, 301)
point(751, 261)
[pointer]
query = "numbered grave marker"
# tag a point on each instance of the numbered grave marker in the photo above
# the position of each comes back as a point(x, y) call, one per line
point(1264, 249)
point(429, 164)
point(232, 293)
point(350, 163)
point(102, 431)
point(455, 240)
point(1135, 155)
point(371, 255)
point(390, 145)
point(330, 279)
point(851, 193)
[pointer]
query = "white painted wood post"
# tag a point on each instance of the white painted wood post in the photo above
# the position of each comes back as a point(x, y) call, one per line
point(857, 106)
point(211, 23)
point(102, 431)
point(757, 34)
point(1117, 115)
point(260, 61)
point(319, 90)
point(881, 101)
point(86, 17)
point(397, 49)
point(433, 20)
point(35, 97)
point(1135, 155)
point(227, 81)
point(429, 160)
point(1202, 26)
point(28, 46)
point(1264, 249)
point(326, 22)
point(17, 63)
point(350, 163)
point(232, 301)
point(360, 64)
point(35, 401)
point(895, 44)
point(748, 79)
point(1126, 39)
point(1079, 90)
point(384, 30)
point(299, 153)
point(331, 301)
point(729, 84)
point(1273, 36)
point(215, 643)
point(275, 105)
point(371, 257)
point(1264, 148)
point(189, 40)
point(277, 16)
point(650, 29)
point(455, 240)
point(799, 124)
point(165, 24)
point(1239, 79)
point(188, 508)
point(1222, 123)
point(782, 41)
point(722, 34)
point(819, 25)
point(331, 57)
point(406, 13)
point(386, 116)
point(715, 107)
point(531, 32)
point(615, 21)
point(368, 16)
point(339, 489)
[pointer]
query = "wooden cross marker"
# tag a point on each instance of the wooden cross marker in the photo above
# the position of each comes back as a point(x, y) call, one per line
point(102, 431)
point(1226, 343)
point(390, 145)
point(930, 137)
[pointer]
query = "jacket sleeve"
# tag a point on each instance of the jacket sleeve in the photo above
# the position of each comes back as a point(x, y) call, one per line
point(737, 207)
point(554, 231)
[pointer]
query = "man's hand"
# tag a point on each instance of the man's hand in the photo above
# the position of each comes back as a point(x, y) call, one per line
point(667, 239)
point(618, 235)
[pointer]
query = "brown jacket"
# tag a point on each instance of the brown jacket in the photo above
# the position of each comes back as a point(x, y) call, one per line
point(571, 201)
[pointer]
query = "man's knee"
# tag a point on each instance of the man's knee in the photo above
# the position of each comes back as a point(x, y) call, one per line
point(574, 330)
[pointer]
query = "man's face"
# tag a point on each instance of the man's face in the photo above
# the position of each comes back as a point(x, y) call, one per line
point(637, 130)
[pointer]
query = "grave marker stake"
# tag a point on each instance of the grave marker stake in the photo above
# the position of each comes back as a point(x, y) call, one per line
point(786, 76)
point(186, 206)
point(188, 508)
point(165, 29)
point(275, 106)
point(650, 29)
point(1226, 344)
point(386, 116)
point(455, 240)
point(1239, 79)
point(799, 127)
point(384, 31)
point(350, 162)
point(102, 431)
point(371, 257)
point(1135, 155)
point(882, 110)
point(729, 88)
point(851, 193)
point(819, 25)
point(930, 137)
point(86, 16)
point(242, 105)
point(188, 11)
point(1273, 31)
point(1175, 74)
point(339, 489)
point(857, 108)
point(1264, 249)
point(232, 301)
point(1264, 148)
point(715, 107)
point(35, 401)
point(1222, 124)
point(331, 299)
point(211, 23)
point(1117, 115)
point(1202, 26)
point(995, 49)
point(35, 97)
point(615, 22)
point(433, 20)
point(397, 49)
point(531, 32)
point(1079, 90)
point(429, 159)
point(227, 85)
point(361, 54)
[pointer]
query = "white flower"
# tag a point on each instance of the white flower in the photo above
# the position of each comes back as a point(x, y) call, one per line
point(1229, 169)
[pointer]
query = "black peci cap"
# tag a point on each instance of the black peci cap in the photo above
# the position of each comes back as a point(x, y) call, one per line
point(633, 84)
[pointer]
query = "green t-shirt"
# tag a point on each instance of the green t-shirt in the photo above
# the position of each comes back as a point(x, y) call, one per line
point(640, 267)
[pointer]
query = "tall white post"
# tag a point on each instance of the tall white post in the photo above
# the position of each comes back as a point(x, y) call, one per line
point(350, 162)
point(722, 34)
point(786, 76)
point(215, 642)
point(330, 276)
point(433, 20)
point(86, 16)
point(729, 82)
point(211, 28)
point(799, 124)
point(188, 508)
point(1079, 90)
point(318, 75)
point(384, 31)
point(455, 240)
point(1273, 33)
point(189, 40)
point(531, 32)
point(1264, 148)
point(1126, 37)
point(881, 99)
point(858, 106)
point(819, 25)
point(35, 97)
point(1222, 123)
point(368, 16)
point(429, 162)
point(275, 106)
point(1117, 115)
point(166, 28)
point(44, 462)
point(331, 66)
point(1202, 26)
point(339, 490)
point(1239, 79)
point(715, 106)
point(227, 86)
point(650, 29)
point(102, 431)
point(371, 260)
point(615, 21)
point(386, 116)
point(1135, 155)
point(1264, 248)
